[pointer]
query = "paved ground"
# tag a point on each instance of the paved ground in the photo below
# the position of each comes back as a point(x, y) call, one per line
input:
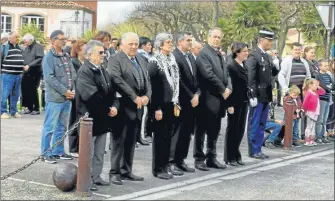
point(314, 176)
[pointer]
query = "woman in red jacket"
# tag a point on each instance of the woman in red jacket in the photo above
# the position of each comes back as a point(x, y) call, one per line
point(311, 106)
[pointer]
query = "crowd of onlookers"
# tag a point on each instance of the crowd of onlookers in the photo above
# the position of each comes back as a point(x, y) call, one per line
point(163, 91)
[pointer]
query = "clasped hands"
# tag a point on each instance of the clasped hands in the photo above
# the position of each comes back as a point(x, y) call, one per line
point(141, 101)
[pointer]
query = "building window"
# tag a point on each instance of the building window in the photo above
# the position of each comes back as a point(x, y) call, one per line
point(6, 23)
point(33, 19)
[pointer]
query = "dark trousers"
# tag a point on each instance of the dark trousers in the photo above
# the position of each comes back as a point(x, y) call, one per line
point(206, 122)
point(256, 125)
point(74, 136)
point(29, 86)
point(163, 131)
point(123, 144)
point(181, 139)
point(234, 133)
point(278, 92)
point(43, 98)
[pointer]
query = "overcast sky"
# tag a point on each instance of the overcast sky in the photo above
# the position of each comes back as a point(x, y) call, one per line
point(113, 12)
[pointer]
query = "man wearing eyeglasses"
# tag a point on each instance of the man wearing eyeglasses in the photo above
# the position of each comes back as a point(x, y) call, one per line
point(59, 76)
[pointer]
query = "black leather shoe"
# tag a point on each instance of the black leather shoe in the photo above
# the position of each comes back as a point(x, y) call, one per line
point(93, 187)
point(264, 155)
point(116, 179)
point(175, 170)
point(215, 164)
point(185, 168)
point(143, 142)
point(240, 162)
point(131, 177)
point(101, 182)
point(163, 175)
point(201, 166)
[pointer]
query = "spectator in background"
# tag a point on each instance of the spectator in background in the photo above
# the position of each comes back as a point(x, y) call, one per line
point(68, 46)
point(144, 48)
point(309, 55)
point(113, 46)
point(277, 61)
point(292, 98)
point(32, 55)
point(144, 52)
point(4, 38)
point(196, 47)
point(78, 57)
point(327, 84)
point(12, 65)
point(294, 70)
point(331, 116)
point(105, 38)
point(59, 76)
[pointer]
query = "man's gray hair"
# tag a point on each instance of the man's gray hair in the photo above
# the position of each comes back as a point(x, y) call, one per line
point(91, 45)
point(125, 36)
point(181, 36)
point(28, 37)
point(160, 39)
point(210, 31)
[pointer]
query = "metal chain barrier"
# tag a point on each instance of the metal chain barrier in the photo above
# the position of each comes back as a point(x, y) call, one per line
point(75, 126)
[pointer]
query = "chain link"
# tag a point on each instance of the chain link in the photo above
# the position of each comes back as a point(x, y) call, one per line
point(48, 150)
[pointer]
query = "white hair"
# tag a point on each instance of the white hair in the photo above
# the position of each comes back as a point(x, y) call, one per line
point(28, 37)
point(125, 36)
point(91, 45)
point(160, 39)
point(210, 32)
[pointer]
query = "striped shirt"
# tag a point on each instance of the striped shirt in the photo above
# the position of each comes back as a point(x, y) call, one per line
point(13, 63)
point(298, 73)
point(326, 79)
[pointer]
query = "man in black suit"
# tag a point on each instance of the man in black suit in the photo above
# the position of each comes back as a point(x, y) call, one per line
point(260, 72)
point(215, 87)
point(189, 100)
point(130, 76)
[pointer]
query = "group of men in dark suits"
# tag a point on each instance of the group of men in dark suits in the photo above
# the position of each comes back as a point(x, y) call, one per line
point(205, 85)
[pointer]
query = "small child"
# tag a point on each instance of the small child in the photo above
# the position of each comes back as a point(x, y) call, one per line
point(293, 99)
point(311, 106)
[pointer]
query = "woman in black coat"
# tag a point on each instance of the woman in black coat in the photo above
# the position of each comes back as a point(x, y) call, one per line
point(237, 104)
point(164, 76)
point(77, 55)
point(95, 95)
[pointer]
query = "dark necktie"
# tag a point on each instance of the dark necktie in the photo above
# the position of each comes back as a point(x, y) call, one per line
point(135, 64)
point(189, 63)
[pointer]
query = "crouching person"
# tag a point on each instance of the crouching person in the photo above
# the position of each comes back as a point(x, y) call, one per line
point(95, 95)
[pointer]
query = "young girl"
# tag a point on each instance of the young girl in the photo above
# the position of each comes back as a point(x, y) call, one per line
point(311, 106)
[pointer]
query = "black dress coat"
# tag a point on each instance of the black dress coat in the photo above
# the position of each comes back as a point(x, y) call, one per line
point(95, 94)
point(124, 77)
point(214, 79)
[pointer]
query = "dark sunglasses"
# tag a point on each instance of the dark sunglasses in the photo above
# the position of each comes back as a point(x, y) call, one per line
point(62, 39)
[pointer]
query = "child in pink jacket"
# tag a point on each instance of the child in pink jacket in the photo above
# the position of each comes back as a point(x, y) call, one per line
point(311, 106)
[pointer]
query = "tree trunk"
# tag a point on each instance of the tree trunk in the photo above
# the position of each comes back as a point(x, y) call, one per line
point(282, 35)
point(215, 13)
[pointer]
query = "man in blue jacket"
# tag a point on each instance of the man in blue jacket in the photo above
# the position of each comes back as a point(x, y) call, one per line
point(59, 76)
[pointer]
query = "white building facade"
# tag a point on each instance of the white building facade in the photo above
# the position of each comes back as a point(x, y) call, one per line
point(69, 17)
